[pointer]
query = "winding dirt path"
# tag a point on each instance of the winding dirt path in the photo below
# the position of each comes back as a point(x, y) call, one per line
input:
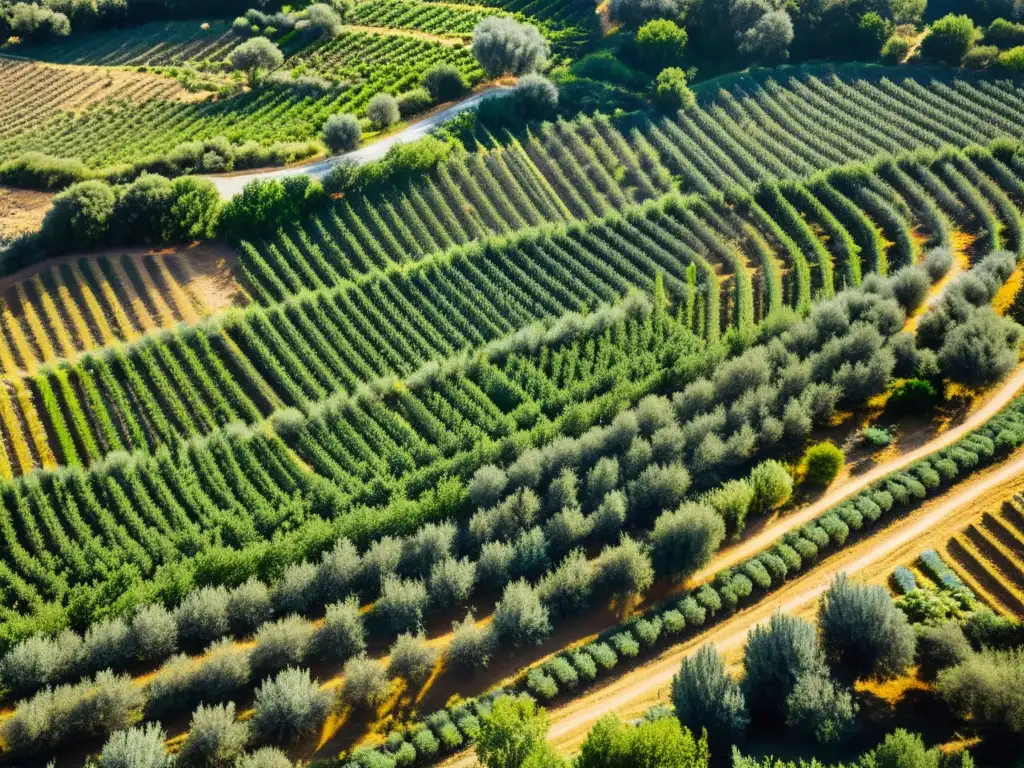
point(870, 559)
point(785, 523)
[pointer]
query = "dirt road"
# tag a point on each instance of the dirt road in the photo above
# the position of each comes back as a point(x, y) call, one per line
point(754, 544)
point(229, 186)
point(870, 559)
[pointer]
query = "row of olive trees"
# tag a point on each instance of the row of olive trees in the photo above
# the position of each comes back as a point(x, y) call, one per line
point(799, 673)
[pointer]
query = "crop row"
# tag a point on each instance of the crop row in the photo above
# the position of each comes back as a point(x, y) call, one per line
point(39, 94)
point(383, 448)
point(448, 19)
point(158, 43)
point(301, 351)
point(593, 166)
point(92, 302)
point(113, 130)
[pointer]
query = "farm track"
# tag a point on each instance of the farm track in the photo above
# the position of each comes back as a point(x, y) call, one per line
point(932, 522)
point(870, 559)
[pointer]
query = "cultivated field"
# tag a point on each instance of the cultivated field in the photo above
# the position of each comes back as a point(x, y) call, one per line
point(540, 407)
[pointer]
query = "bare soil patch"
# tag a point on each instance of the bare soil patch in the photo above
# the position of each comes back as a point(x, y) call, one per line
point(21, 211)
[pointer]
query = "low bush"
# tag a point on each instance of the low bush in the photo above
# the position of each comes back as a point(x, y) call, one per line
point(289, 707)
point(366, 683)
point(216, 739)
point(822, 463)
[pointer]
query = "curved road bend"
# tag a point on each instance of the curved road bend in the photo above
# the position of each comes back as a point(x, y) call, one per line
point(229, 186)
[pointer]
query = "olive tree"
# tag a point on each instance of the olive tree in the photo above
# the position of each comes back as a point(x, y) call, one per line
point(444, 82)
point(705, 696)
point(504, 46)
point(366, 682)
point(141, 747)
point(775, 656)
point(216, 739)
point(520, 618)
point(863, 634)
point(684, 540)
point(819, 706)
point(411, 658)
point(470, 646)
point(289, 707)
point(625, 570)
point(254, 56)
point(341, 133)
point(382, 111)
point(322, 20)
point(535, 96)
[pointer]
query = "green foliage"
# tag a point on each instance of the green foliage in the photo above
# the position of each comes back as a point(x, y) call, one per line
point(901, 749)
point(215, 738)
point(671, 92)
point(512, 734)
point(684, 540)
point(863, 634)
point(776, 655)
point(254, 56)
point(988, 687)
point(822, 463)
point(1012, 59)
point(503, 46)
point(136, 748)
point(660, 743)
point(660, 43)
point(535, 97)
point(772, 485)
point(896, 48)
point(940, 647)
point(411, 659)
point(519, 617)
point(878, 437)
point(949, 38)
point(79, 216)
point(265, 205)
point(444, 82)
point(704, 696)
point(382, 111)
point(820, 707)
point(341, 133)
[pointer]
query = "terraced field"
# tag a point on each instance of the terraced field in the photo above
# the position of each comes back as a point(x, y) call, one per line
point(54, 316)
point(989, 556)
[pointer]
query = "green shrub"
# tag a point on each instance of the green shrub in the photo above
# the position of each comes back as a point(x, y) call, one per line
point(444, 82)
point(584, 664)
point(563, 672)
point(949, 38)
point(671, 91)
point(980, 57)
point(602, 654)
point(625, 645)
point(1013, 59)
point(660, 43)
point(822, 463)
